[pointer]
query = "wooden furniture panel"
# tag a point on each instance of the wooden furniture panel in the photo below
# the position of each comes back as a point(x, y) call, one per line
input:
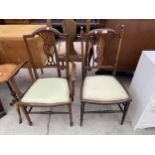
point(12, 46)
point(17, 21)
point(139, 35)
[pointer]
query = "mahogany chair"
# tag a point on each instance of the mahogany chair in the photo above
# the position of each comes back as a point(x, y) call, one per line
point(51, 91)
point(103, 89)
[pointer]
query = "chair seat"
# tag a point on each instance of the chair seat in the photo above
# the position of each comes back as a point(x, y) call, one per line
point(103, 88)
point(48, 90)
point(6, 71)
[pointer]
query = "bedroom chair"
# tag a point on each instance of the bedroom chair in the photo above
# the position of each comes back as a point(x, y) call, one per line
point(103, 89)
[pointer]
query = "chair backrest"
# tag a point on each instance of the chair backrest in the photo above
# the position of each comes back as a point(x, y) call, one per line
point(70, 27)
point(98, 46)
point(49, 36)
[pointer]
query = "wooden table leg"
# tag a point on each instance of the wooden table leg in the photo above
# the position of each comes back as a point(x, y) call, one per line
point(13, 93)
point(2, 111)
point(16, 93)
point(15, 87)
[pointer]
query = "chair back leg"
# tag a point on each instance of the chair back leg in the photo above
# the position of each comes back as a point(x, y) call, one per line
point(82, 113)
point(70, 114)
point(19, 112)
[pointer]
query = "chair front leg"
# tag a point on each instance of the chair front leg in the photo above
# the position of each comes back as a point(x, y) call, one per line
point(70, 114)
point(18, 111)
point(26, 114)
point(15, 86)
point(82, 113)
point(126, 106)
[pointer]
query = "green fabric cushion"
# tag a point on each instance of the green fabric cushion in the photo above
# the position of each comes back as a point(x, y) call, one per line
point(103, 88)
point(48, 90)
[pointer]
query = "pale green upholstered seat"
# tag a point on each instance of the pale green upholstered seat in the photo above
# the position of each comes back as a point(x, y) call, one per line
point(48, 90)
point(103, 88)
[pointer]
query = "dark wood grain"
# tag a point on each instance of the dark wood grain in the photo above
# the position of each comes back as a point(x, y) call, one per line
point(139, 34)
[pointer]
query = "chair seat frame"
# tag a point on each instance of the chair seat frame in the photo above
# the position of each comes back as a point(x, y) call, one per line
point(122, 104)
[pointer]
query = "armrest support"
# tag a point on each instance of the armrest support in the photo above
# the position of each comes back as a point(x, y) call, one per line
point(12, 80)
point(19, 66)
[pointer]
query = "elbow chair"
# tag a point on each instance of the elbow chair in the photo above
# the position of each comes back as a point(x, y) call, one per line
point(51, 91)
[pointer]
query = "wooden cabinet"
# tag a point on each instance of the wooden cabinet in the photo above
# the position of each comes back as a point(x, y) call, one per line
point(16, 21)
point(139, 35)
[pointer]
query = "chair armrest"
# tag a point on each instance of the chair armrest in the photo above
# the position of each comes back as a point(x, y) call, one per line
point(19, 66)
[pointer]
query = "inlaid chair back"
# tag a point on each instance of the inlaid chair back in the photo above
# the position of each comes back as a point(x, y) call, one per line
point(50, 37)
point(103, 89)
point(101, 41)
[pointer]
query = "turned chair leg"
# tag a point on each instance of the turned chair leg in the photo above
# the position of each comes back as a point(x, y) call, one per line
point(82, 113)
point(13, 93)
point(126, 106)
point(30, 109)
point(42, 71)
point(26, 114)
point(19, 113)
point(70, 114)
point(72, 98)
